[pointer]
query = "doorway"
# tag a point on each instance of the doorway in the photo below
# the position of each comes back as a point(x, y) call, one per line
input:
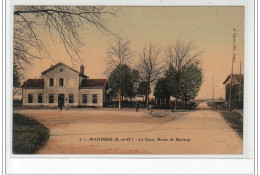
point(60, 99)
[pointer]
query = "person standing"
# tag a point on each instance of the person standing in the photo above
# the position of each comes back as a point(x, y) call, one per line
point(67, 105)
point(150, 108)
point(60, 105)
point(137, 107)
point(172, 107)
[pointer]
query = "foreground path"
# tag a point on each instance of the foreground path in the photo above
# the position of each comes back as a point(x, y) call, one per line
point(79, 132)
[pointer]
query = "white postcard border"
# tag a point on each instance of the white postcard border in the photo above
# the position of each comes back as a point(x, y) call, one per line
point(78, 164)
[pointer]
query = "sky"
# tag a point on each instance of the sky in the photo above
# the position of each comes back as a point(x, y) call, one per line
point(209, 28)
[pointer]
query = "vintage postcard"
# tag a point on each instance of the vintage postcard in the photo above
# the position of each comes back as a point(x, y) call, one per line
point(140, 80)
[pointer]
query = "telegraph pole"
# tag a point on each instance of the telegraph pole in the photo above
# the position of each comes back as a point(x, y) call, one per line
point(230, 88)
point(231, 76)
point(239, 93)
point(240, 67)
point(213, 93)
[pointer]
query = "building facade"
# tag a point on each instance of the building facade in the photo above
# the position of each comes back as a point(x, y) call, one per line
point(61, 84)
point(237, 90)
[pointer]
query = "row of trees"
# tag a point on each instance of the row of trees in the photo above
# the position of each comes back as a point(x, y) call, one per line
point(127, 82)
point(180, 77)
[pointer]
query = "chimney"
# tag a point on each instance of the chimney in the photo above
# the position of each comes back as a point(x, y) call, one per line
point(82, 69)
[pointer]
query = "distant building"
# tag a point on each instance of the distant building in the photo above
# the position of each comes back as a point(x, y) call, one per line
point(61, 84)
point(237, 89)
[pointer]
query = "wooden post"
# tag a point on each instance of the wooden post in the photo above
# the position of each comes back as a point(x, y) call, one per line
point(213, 93)
point(239, 91)
point(230, 89)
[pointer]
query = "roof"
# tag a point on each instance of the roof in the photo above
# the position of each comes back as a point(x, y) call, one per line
point(60, 63)
point(33, 84)
point(237, 79)
point(93, 83)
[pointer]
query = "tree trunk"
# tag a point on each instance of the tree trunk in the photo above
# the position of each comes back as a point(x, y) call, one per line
point(120, 92)
point(185, 96)
point(176, 93)
point(147, 98)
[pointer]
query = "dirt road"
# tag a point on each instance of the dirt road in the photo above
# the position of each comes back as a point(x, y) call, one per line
point(107, 131)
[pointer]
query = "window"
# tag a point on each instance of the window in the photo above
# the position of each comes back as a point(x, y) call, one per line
point(84, 98)
point(39, 98)
point(71, 98)
point(60, 81)
point(30, 98)
point(51, 98)
point(94, 98)
point(51, 82)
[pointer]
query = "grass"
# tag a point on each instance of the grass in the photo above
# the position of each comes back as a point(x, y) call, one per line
point(235, 120)
point(28, 135)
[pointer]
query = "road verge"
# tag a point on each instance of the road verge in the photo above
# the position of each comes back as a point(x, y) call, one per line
point(235, 120)
point(28, 135)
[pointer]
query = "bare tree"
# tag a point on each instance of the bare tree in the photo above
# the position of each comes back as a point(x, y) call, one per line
point(118, 55)
point(61, 21)
point(149, 67)
point(180, 56)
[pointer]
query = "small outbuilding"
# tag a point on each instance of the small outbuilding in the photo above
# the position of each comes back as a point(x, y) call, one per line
point(237, 90)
